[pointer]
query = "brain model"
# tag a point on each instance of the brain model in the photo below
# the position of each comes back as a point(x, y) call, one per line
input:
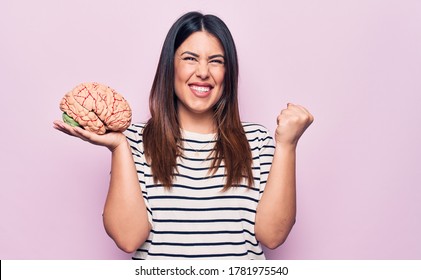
point(97, 108)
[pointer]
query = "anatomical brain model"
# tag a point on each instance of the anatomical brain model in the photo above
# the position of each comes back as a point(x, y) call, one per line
point(97, 108)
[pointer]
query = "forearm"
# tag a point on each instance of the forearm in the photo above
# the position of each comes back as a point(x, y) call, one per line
point(125, 215)
point(276, 210)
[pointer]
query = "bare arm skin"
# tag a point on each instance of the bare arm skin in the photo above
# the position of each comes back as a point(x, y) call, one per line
point(125, 216)
point(276, 210)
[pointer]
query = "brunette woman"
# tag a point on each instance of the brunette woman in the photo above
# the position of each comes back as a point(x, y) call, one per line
point(195, 181)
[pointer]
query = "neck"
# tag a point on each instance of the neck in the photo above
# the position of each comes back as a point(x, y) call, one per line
point(199, 123)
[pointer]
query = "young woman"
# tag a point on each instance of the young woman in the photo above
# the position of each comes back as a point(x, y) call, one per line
point(194, 181)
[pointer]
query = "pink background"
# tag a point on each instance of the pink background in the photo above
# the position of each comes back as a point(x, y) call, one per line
point(356, 65)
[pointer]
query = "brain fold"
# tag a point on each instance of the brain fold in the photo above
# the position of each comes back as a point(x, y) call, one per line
point(98, 108)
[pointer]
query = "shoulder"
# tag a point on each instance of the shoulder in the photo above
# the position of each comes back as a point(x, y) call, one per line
point(134, 136)
point(257, 134)
point(134, 133)
point(254, 129)
point(135, 128)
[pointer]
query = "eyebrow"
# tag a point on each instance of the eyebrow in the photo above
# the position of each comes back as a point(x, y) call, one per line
point(216, 55)
point(196, 55)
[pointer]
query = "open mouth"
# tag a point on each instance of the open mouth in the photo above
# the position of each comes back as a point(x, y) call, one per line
point(201, 91)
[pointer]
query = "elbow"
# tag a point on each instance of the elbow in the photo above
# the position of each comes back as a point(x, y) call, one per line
point(128, 248)
point(130, 243)
point(129, 240)
point(275, 238)
point(273, 243)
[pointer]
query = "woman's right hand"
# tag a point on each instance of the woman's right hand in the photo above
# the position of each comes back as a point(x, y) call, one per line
point(111, 140)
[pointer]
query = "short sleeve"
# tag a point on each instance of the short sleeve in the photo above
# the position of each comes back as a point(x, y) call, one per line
point(135, 139)
point(266, 151)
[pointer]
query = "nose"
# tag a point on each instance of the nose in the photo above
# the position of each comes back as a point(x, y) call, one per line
point(202, 70)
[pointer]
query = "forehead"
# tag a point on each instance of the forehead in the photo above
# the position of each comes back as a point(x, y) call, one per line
point(202, 43)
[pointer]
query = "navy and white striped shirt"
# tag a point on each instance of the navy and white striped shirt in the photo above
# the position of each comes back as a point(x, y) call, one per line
point(195, 219)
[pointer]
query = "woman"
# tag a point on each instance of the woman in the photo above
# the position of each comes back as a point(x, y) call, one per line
point(194, 181)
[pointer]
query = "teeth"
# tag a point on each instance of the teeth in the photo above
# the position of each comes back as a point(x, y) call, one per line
point(201, 89)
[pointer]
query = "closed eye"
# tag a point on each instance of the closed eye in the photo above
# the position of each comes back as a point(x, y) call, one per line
point(189, 58)
point(218, 61)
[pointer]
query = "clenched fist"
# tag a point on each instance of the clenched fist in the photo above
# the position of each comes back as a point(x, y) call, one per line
point(292, 122)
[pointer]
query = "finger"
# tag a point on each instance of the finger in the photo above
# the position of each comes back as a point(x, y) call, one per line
point(302, 108)
point(287, 112)
point(306, 112)
point(83, 134)
point(89, 136)
point(281, 114)
point(295, 107)
point(63, 127)
point(62, 130)
point(291, 108)
point(57, 124)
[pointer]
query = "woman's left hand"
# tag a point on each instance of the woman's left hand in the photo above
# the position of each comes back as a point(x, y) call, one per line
point(292, 122)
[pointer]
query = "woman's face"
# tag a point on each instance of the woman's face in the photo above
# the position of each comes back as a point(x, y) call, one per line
point(198, 74)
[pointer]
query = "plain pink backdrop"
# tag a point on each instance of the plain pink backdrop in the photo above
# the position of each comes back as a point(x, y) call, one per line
point(356, 65)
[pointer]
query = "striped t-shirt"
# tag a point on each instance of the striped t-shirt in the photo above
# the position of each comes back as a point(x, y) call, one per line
point(196, 219)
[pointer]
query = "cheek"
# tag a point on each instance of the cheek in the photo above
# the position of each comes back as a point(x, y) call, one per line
point(218, 76)
point(179, 79)
point(177, 74)
point(183, 72)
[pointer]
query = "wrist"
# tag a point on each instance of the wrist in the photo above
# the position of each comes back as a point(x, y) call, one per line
point(121, 143)
point(287, 147)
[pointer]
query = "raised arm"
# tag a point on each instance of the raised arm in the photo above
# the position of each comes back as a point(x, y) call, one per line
point(276, 210)
point(125, 216)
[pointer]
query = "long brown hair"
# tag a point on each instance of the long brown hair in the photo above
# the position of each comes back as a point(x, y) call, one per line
point(162, 134)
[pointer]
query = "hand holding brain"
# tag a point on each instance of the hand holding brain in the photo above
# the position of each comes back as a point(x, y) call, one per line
point(97, 108)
